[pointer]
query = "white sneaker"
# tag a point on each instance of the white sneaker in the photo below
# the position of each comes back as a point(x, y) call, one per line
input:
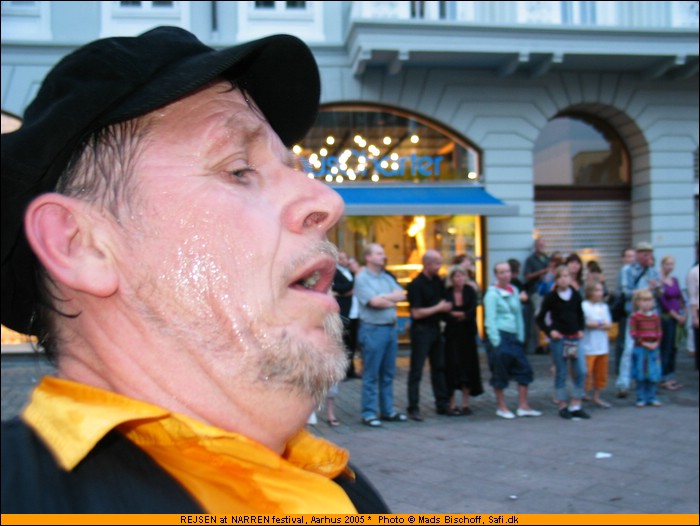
point(505, 414)
point(528, 412)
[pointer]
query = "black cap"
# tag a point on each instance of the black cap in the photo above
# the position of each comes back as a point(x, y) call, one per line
point(116, 79)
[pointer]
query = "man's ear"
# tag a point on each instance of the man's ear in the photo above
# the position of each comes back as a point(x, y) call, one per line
point(66, 235)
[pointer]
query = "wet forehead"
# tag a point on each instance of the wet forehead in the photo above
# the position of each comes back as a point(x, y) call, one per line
point(218, 117)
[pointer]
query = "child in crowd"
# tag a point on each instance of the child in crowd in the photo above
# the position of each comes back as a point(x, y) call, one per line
point(547, 281)
point(561, 318)
point(595, 343)
point(645, 330)
point(595, 274)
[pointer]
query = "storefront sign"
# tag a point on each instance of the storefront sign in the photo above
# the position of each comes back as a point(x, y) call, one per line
point(361, 164)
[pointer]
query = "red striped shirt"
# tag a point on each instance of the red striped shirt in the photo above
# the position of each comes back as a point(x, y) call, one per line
point(645, 327)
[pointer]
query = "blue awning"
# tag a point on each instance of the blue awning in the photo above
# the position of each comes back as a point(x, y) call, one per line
point(421, 199)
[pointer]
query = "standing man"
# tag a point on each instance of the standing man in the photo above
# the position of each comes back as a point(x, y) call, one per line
point(378, 293)
point(628, 257)
point(343, 289)
point(639, 275)
point(534, 269)
point(185, 374)
point(426, 295)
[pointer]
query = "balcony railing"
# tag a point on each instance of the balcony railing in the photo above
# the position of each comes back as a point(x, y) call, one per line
point(618, 15)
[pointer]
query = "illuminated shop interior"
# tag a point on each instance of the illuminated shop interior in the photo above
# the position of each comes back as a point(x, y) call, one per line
point(402, 167)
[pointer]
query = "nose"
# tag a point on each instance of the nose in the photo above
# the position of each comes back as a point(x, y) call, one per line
point(312, 206)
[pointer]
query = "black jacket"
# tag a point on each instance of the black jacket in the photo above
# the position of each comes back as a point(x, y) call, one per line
point(566, 316)
point(341, 286)
point(115, 477)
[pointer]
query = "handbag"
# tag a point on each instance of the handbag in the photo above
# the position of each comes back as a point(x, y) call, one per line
point(681, 336)
point(570, 348)
point(616, 304)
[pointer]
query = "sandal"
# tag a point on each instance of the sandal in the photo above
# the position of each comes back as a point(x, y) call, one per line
point(333, 422)
point(673, 386)
point(602, 403)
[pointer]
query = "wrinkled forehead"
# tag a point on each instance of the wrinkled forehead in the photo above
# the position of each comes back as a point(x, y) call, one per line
point(213, 120)
point(218, 102)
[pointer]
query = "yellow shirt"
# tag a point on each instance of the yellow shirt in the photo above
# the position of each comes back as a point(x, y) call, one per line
point(225, 472)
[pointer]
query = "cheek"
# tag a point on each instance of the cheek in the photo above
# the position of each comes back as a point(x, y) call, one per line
point(213, 254)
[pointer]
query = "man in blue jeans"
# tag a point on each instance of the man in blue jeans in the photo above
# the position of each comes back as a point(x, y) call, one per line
point(378, 293)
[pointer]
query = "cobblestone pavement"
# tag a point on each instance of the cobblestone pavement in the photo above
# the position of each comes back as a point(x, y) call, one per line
point(484, 464)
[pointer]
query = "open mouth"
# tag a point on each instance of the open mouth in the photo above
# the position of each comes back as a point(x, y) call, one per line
point(318, 277)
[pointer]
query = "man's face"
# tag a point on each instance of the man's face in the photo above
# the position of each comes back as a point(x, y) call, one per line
point(645, 258)
point(629, 257)
point(376, 257)
point(343, 259)
point(540, 246)
point(225, 249)
point(433, 267)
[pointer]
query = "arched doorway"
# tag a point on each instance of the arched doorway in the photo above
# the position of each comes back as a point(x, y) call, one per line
point(582, 172)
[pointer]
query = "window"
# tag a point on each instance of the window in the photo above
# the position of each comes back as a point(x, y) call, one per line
point(577, 153)
point(280, 9)
point(133, 18)
point(26, 21)
point(579, 13)
point(280, 6)
point(145, 7)
point(301, 19)
point(422, 10)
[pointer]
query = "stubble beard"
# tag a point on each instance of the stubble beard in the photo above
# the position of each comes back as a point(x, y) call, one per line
point(309, 369)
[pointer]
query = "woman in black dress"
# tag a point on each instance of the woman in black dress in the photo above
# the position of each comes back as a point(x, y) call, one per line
point(461, 355)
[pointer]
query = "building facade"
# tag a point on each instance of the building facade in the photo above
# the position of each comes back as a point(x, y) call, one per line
point(470, 127)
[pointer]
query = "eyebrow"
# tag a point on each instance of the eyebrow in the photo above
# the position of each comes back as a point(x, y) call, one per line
point(245, 130)
point(238, 129)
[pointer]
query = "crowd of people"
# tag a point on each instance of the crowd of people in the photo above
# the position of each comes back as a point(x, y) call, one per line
point(557, 306)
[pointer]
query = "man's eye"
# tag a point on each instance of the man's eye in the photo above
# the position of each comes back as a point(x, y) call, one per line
point(242, 173)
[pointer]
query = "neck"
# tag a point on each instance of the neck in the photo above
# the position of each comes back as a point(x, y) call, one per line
point(145, 364)
point(376, 269)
